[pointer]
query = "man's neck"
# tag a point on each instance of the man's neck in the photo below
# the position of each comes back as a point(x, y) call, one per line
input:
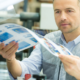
point(71, 36)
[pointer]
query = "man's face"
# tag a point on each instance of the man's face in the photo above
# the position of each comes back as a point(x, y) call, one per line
point(67, 15)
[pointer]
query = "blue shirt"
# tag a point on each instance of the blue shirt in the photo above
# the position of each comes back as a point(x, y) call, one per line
point(33, 64)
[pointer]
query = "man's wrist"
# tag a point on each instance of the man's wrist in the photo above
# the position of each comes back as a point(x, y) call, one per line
point(10, 60)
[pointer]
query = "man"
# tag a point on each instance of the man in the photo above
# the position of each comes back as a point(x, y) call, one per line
point(67, 17)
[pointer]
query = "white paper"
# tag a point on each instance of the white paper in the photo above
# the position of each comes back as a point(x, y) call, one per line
point(13, 32)
point(53, 48)
point(27, 38)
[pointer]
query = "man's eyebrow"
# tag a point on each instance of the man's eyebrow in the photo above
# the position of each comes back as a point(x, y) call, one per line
point(56, 10)
point(70, 8)
point(66, 8)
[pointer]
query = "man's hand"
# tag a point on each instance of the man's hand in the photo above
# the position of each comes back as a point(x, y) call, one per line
point(71, 65)
point(8, 52)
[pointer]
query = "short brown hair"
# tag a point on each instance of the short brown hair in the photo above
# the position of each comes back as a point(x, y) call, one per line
point(78, 0)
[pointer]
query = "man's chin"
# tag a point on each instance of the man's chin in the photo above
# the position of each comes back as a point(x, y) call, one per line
point(65, 31)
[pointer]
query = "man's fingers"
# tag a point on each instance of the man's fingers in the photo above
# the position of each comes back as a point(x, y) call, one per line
point(2, 45)
point(9, 46)
point(7, 54)
point(68, 66)
point(67, 69)
point(10, 51)
point(65, 62)
point(12, 55)
point(67, 58)
point(75, 56)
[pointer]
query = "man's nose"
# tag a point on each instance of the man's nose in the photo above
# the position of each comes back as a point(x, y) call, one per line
point(63, 16)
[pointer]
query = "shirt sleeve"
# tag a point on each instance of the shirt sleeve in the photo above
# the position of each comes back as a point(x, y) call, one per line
point(31, 65)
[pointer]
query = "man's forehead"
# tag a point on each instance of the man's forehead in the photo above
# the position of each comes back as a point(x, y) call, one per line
point(65, 3)
point(66, 0)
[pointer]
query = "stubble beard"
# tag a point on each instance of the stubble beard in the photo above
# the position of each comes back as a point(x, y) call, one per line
point(70, 31)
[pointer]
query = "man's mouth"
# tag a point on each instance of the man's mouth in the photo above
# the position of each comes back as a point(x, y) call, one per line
point(64, 24)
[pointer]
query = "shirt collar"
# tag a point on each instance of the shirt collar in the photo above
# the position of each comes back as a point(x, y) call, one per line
point(63, 39)
point(76, 41)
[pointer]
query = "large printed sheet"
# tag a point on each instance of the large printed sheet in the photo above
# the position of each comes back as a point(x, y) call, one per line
point(52, 47)
point(27, 38)
point(13, 32)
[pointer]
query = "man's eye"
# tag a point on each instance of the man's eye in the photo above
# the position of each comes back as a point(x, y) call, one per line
point(57, 11)
point(69, 11)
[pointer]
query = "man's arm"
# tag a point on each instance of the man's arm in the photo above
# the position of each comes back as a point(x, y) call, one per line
point(71, 65)
point(8, 52)
point(14, 68)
